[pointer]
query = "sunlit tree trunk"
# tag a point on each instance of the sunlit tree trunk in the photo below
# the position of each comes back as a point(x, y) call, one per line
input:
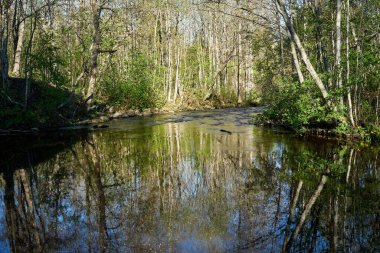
point(294, 36)
point(20, 41)
point(281, 42)
point(177, 76)
point(349, 98)
point(169, 57)
point(296, 62)
point(355, 95)
point(17, 58)
point(338, 45)
point(238, 74)
point(96, 12)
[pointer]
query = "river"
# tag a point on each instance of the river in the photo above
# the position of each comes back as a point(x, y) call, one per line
point(188, 182)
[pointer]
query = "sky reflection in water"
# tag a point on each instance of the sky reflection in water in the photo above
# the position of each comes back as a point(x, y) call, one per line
point(176, 183)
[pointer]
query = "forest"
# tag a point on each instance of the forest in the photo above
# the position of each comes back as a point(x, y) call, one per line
point(311, 63)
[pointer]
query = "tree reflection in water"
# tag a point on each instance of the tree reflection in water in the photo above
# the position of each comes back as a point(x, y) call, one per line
point(181, 188)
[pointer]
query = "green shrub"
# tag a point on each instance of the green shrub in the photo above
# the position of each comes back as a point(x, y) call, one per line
point(296, 106)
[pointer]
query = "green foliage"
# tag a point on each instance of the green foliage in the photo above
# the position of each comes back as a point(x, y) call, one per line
point(228, 95)
point(196, 61)
point(370, 133)
point(342, 128)
point(47, 61)
point(295, 105)
point(137, 90)
point(253, 98)
point(374, 132)
point(43, 110)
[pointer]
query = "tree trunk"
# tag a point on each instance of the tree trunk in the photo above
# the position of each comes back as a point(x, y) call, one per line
point(238, 66)
point(28, 66)
point(338, 46)
point(177, 77)
point(349, 99)
point(355, 97)
point(17, 56)
point(4, 34)
point(296, 62)
point(96, 12)
point(324, 61)
point(281, 42)
point(294, 36)
point(169, 48)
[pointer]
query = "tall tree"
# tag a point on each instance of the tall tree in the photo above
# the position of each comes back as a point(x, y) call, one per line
point(338, 47)
point(20, 31)
point(5, 20)
point(96, 8)
point(281, 8)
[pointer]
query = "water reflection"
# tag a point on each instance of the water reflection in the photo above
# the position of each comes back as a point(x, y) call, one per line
point(181, 187)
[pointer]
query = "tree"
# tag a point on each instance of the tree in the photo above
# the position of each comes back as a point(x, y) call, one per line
point(280, 5)
point(5, 20)
point(96, 8)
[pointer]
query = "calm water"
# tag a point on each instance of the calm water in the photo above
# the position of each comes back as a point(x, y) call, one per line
point(176, 183)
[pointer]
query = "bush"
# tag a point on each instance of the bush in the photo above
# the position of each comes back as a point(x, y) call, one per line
point(296, 106)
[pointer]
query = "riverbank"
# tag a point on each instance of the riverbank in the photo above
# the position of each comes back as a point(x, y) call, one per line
point(50, 108)
point(103, 120)
point(325, 130)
